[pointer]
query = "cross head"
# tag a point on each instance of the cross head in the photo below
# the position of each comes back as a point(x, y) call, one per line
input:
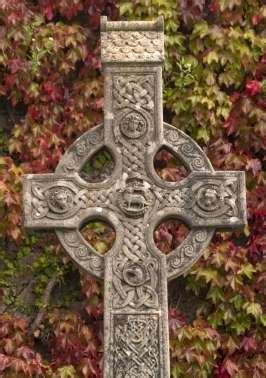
point(134, 200)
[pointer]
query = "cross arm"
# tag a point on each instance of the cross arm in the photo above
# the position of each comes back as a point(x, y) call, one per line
point(208, 199)
point(58, 200)
point(63, 203)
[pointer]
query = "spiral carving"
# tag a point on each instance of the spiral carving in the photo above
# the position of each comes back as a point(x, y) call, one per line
point(82, 252)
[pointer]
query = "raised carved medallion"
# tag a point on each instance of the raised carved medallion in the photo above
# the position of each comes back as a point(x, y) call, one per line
point(135, 198)
point(133, 125)
point(57, 201)
point(135, 284)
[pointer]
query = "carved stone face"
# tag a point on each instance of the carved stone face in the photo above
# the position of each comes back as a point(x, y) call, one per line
point(208, 198)
point(133, 125)
point(59, 199)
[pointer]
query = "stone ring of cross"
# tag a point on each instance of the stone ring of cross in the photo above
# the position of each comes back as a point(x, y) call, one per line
point(134, 200)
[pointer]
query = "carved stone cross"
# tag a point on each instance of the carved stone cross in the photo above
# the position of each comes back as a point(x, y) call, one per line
point(134, 200)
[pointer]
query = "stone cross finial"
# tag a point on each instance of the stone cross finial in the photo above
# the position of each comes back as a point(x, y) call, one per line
point(134, 200)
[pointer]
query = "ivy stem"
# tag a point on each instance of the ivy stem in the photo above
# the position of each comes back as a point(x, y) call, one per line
point(45, 302)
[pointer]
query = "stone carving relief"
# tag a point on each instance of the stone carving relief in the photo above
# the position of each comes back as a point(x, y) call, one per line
point(136, 347)
point(81, 251)
point(57, 201)
point(215, 198)
point(79, 151)
point(132, 46)
point(135, 197)
point(135, 271)
point(135, 283)
point(186, 149)
point(133, 125)
point(188, 249)
point(210, 198)
point(134, 200)
point(206, 198)
point(134, 90)
point(133, 106)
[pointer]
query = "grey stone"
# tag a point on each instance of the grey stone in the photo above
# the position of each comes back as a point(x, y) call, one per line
point(134, 200)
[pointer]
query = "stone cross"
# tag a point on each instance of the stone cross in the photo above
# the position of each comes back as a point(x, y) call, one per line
point(134, 200)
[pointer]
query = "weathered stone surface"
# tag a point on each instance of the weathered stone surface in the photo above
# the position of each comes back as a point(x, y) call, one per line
point(134, 200)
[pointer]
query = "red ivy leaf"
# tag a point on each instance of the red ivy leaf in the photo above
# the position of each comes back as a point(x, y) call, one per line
point(15, 65)
point(253, 87)
point(256, 19)
point(47, 8)
point(254, 165)
point(176, 319)
point(25, 352)
point(33, 112)
point(230, 367)
point(214, 6)
point(5, 362)
point(9, 81)
point(53, 92)
point(221, 373)
point(248, 344)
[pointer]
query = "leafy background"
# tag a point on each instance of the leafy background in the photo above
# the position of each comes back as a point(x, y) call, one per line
point(51, 92)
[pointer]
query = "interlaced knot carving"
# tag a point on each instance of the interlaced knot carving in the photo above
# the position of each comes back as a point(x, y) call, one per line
point(133, 90)
point(136, 347)
point(133, 157)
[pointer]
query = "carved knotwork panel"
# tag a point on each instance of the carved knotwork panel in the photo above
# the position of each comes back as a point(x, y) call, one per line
point(133, 108)
point(136, 352)
point(136, 272)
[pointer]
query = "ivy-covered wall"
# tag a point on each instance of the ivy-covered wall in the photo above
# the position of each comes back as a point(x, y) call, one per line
point(52, 91)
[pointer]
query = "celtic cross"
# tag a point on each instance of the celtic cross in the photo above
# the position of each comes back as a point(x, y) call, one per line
point(134, 200)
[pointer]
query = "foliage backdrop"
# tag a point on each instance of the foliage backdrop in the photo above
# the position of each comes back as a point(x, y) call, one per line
point(52, 91)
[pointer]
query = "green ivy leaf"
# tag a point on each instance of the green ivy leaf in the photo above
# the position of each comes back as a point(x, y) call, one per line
point(211, 57)
point(263, 320)
point(66, 372)
point(203, 134)
point(216, 294)
point(241, 323)
point(254, 309)
point(247, 270)
point(201, 29)
point(209, 274)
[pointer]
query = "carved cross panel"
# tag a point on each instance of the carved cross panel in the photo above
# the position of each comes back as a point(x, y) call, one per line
point(134, 200)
